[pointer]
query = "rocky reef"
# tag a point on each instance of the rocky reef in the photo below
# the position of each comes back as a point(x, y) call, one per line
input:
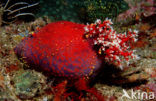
point(20, 82)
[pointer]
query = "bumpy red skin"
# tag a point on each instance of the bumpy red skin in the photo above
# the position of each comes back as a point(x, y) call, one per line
point(60, 49)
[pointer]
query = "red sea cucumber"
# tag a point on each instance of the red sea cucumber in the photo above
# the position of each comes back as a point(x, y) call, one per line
point(59, 49)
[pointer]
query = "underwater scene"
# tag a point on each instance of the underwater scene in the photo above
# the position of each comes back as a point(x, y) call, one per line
point(77, 50)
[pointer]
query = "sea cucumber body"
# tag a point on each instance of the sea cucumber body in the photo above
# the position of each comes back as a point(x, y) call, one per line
point(60, 49)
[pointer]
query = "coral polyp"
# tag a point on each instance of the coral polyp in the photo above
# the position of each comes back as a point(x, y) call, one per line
point(11, 10)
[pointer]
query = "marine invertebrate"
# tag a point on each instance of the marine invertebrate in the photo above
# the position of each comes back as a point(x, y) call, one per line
point(65, 59)
point(61, 50)
point(11, 10)
point(114, 47)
